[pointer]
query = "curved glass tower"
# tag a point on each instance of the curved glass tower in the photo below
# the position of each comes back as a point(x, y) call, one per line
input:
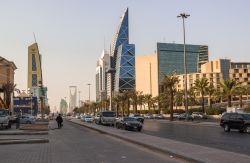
point(123, 58)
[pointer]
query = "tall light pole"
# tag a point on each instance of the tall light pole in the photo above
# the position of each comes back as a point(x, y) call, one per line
point(89, 90)
point(79, 98)
point(110, 71)
point(184, 16)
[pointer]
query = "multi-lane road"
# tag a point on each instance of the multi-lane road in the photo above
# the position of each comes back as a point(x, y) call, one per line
point(200, 134)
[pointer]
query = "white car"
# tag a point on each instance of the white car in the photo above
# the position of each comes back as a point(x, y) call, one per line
point(88, 119)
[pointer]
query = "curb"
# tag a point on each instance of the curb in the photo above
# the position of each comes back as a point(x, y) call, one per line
point(23, 141)
point(154, 148)
point(25, 133)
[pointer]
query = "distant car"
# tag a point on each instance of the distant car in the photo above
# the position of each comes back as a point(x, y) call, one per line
point(159, 116)
point(88, 118)
point(148, 116)
point(129, 123)
point(27, 119)
point(78, 117)
point(138, 117)
point(4, 119)
point(176, 115)
point(106, 118)
point(199, 115)
point(185, 116)
point(239, 121)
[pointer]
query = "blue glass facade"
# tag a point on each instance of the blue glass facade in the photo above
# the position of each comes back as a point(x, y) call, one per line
point(125, 68)
point(171, 58)
point(34, 80)
point(33, 62)
point(123, 58)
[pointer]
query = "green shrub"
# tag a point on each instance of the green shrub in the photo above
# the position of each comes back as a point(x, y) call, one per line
point(214, 111)
point(194, 110)
point(180, 111)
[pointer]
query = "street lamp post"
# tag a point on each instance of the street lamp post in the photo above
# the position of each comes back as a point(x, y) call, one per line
point(110, 71)
point(89, 90)
point(184, 16)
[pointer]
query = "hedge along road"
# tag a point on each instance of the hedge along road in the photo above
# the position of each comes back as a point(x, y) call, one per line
point(209, 136)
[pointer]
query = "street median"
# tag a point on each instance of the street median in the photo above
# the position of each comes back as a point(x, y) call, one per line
point(187, 151)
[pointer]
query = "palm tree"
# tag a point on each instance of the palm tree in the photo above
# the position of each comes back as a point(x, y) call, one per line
point(201, 86)
point(148, 99)
point(211, 92)
point(179, 97)
point(240, 90)
point(169, 85)
point(116, 101)
point(228, 89)
point(8, 89)
point(141, 101)
point(134, 99)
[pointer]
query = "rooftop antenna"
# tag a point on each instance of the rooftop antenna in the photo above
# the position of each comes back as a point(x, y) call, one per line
point(34, 37)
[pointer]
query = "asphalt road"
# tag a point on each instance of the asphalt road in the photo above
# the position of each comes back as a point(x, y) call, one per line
point(210, 136)
point(76, 144)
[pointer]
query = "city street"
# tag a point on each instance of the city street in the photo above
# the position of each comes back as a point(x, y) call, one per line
point(210, 136)
point(74, 143)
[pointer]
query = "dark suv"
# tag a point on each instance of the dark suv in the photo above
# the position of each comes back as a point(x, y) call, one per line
point(239, 121)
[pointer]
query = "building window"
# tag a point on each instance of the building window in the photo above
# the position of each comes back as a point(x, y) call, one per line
point(236, 70)
point(33, 62)
point(240, 75)
point(245, 79)
point(248, 75)
point(204, 75)
point(245, 70)
point(234, 75)
point(197, 76)
point(217, 64)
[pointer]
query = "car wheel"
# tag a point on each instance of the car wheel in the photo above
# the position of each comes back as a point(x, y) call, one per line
point(226, 128)
point(124, 127)
point(247, 129)
point(139, 129)
point(28, 122)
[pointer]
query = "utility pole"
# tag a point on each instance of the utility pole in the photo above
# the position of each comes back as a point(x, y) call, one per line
point(79, 99)
point(89, 90)
point(184, 16)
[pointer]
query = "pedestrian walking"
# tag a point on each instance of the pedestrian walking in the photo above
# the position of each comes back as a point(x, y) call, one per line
point(59, 121)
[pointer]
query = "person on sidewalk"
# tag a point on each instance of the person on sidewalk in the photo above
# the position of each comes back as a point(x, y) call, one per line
point(59, 120)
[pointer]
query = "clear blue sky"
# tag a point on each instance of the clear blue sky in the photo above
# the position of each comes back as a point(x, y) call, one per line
point(71, 33)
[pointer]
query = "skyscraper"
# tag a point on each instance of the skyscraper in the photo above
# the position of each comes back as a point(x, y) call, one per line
point(102, 66)
point(122, 58)
point(34, 66)
point(72, 98)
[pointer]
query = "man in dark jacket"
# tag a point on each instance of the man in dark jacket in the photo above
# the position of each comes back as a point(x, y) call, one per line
point(59, 120)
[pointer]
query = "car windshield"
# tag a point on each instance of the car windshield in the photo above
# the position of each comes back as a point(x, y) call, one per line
point(129, 119)
point(88, 117)
point(108, 114)
point(246, 116)
point(3, 112)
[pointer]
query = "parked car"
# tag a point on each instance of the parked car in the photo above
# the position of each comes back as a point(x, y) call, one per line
point(5, 119)
point(88, 118)
point(199, 115)
point(106, 118)
point(176, 115)
point(78, 116)
point(97, 118)
point(27, 119)
point(129, 123)
point(148, 116)
point(185, 116)
point(138, 117)
point(159, 116)
point(239, 121)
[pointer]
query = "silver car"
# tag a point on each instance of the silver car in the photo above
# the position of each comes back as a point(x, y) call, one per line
point(27, 119)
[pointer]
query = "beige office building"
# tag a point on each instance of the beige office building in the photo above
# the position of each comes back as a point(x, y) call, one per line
point(147, 74)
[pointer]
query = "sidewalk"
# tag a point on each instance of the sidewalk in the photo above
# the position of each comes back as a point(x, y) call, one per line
point(187, 151)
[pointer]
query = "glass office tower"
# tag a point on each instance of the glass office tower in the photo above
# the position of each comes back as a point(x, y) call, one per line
point(123, 58)
point(171, 58)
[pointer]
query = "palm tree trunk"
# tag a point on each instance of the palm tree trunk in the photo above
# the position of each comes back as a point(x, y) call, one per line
point(229, 103)
point(241, 104)
point(203, 104)
point(171, 105)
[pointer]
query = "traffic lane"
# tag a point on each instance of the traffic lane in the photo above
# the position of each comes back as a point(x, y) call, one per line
point(75, 144)
point(210, 136)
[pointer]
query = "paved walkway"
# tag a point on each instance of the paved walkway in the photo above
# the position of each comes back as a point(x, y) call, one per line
point(77, 144)
point(186, 150)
